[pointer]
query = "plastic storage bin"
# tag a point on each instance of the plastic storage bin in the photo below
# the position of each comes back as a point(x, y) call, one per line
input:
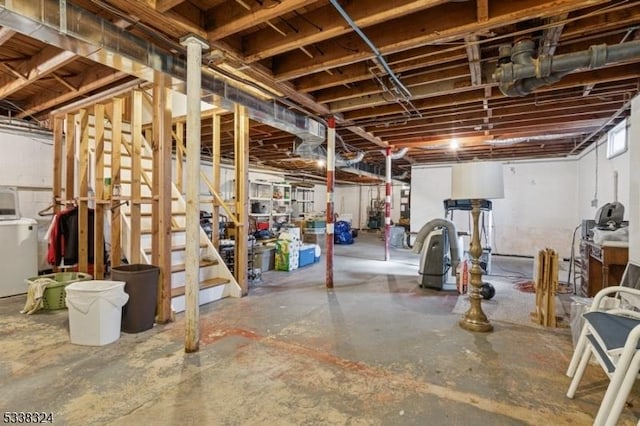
point(264, 257)
point(95, 311)
point(307, 255)
point(54, 294)
point(142, 287)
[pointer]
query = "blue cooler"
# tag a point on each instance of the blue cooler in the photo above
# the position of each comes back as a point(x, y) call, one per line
point(307, 255)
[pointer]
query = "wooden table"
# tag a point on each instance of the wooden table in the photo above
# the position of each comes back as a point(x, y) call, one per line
point(602, 266)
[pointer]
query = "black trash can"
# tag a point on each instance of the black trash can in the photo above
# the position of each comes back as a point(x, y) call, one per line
point(142, 287)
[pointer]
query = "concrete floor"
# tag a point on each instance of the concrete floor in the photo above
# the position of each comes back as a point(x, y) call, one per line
point(375, 350)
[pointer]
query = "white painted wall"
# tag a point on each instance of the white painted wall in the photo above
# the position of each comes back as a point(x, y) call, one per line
point(355, 199)
point(28, 164)
point(594, 165)
point(634, 187)
point(539, 209)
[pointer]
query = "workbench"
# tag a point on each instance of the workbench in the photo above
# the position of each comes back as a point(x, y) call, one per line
point(602, 265)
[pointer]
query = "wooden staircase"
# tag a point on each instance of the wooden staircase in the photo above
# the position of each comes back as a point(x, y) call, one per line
point(216, 280)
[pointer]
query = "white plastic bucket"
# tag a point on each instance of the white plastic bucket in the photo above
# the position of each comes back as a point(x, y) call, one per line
point(95, 311)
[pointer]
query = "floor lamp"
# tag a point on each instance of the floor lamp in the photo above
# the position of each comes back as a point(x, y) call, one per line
point(476, 181)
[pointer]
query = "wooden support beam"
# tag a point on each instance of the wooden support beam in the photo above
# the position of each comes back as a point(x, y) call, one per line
point(136, 174)
point(58, 141)
point(551, 35)
point(180, 150)
point(403, 34)
point(161, 252)
point(215, 158)
point(98, 217)
point(482, 7)
point(331, 167)
point(324, 23)
point(165, 5)
point(83, 200)
point(42, 64)
point(192, 259)
point(473, 54)
point(114, 112)
point(241, 158)
point(86, 82)
point(5, 35)
point(64, 82)
point(231, 17)
point(70, 157)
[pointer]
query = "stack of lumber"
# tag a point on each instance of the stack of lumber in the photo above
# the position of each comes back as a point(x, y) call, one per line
point(546, 285)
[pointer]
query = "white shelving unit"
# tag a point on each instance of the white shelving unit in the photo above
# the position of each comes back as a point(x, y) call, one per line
point(280, 204)
point(303, 200)
point(260, 196)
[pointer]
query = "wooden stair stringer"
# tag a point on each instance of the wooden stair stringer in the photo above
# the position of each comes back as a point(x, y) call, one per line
point(216, 280)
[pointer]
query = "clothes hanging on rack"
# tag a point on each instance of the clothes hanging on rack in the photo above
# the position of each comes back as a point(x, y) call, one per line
point(63, 241)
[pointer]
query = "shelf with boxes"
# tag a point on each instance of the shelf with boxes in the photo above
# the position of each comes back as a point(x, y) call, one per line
point(280, 205)
point(270, 204)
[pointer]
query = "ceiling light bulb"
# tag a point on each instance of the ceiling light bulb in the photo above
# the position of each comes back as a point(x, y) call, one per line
point(454, 144)
point(320, 163)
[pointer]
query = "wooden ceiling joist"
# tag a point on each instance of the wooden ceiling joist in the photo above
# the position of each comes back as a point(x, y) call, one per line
point(404, 33)
point(41, 65)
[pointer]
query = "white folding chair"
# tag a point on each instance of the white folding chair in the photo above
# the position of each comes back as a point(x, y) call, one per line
point(612, 333)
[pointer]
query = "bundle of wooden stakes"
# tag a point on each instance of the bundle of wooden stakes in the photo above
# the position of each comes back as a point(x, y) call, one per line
point(546, 287)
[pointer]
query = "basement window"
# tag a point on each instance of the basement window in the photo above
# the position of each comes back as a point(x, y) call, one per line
point(617, 139)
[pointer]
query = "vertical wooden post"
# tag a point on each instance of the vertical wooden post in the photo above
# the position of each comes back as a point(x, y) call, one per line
point(241, 156)
point(161, 252)
point(179, 155)
point(387, 205)
point(215, 160)
point(98, 217)
point(331, 166)
point(58, 136)
point(83, 201)
point(192, 263)
point(115, 112)
point(70, 160)
point(136, 174)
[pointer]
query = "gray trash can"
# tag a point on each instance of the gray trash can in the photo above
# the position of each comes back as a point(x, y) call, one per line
point(142, 287)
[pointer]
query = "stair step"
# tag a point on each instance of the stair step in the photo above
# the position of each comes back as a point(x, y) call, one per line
point(150, 231)
point(212, 282)
point(203, 264)
point(176, 248)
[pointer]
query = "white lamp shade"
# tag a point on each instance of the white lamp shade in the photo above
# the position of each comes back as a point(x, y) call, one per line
point(477, 180)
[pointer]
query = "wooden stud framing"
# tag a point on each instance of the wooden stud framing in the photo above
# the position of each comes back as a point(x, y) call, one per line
point(70, 160)
point(179, 135)
point(241, 140)
point(136, 172)
point(98, 217)
point(215, 154)
point(161, 244)
point(83, 200)
point(58, 137)
point(114, 110)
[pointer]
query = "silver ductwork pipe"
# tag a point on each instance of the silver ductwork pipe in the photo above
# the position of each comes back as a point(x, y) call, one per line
point(71, 28)
point(451, 233)
point(310, 148)
point(519, 73)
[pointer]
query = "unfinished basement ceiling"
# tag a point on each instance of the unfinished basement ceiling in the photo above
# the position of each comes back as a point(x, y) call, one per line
point(421, 76)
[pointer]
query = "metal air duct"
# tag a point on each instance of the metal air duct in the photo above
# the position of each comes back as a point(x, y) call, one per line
point(519, 73)
point(71, 28)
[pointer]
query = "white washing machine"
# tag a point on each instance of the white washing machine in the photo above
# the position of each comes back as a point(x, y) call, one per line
point(18, 255)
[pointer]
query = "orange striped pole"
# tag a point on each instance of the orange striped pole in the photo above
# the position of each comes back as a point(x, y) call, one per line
point(331, 166)
point(387, 206)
